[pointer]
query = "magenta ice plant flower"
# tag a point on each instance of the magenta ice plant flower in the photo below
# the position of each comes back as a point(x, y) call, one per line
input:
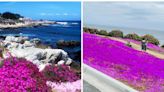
point(138, 69)
point(20, 75)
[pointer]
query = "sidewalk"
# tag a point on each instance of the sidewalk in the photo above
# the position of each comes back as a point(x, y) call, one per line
point(103, 82)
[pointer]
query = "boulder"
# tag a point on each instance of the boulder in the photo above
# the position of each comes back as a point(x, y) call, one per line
point(42, 57)
point(28, 44)
point(36, 40)
point(16, 39)
point(10, 45)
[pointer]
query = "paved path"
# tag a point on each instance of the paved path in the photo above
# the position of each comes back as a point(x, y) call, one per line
point(102, 82)
point(89, 88)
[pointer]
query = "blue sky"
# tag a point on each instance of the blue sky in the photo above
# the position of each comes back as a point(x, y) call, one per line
point(147, 15)
point(44, 10)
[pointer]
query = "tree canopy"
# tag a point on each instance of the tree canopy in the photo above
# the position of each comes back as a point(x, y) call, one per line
point(9, 15)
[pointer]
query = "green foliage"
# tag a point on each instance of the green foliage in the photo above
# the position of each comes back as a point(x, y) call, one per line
point(9, 15)
point(103, 32)
point(133, 36)
point(116, 33)
point(151, 39)
point(90, 30)
point(71, 43)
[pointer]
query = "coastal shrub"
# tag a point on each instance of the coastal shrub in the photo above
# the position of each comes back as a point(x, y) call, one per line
point(90, 30)
point(85, 29)
point(116, 33)
point(103, 32)
point(151, 39)
point(62, 43)
point(9, 15)
point(20, 75)
point(61, 73)
point(93, 31)
point(133, 36)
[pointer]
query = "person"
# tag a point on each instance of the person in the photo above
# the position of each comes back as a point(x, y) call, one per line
point(144, 45)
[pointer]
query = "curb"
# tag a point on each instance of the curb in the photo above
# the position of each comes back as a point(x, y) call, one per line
point(103, 82)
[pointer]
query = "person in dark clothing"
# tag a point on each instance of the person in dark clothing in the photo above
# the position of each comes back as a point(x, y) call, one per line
point(144, 45)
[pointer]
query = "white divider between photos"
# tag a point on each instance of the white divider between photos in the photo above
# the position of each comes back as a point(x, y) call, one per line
point(103, 82)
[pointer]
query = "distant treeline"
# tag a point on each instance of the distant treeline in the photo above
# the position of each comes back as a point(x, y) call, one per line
point(119, 33)
point(9, 15)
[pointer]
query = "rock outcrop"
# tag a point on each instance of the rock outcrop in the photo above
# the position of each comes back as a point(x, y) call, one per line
point(22, 48)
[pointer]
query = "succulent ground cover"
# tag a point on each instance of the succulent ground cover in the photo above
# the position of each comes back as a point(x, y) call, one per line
point(59, 74)
point(21, 75)
point(137, 69)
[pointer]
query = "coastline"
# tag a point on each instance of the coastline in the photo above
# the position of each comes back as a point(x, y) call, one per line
point(27, 24)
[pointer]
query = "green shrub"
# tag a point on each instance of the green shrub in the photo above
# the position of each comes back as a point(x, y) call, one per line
point(151, 39)
point(85, 29)
point(116, 33)
point(103, 32)
point(9, 15)
point(133, 36)
point(90, 30)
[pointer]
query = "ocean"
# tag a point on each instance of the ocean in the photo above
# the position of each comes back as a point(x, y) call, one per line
point(49, 35)
point(159, 34)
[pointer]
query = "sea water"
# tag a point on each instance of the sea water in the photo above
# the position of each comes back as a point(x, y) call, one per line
point(70, 30)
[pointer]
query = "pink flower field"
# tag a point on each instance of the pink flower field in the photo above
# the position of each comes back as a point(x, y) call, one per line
point(137, 69)
point(20, 75)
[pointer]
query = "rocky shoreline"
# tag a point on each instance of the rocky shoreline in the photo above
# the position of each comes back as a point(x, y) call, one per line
point(19, 47)
point(12, 20)
point(22, 47)
point(27, 24)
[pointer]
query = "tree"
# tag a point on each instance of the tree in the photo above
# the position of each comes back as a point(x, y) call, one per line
point(151, 39)
point(133, 36)
point(103, 32)
point(116, 33)
point(9, 15)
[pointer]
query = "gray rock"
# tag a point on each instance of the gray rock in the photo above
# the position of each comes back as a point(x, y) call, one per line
point(41, 57)
point(15, 39)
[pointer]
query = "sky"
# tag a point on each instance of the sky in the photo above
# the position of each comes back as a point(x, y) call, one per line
point(44, 10)
point(146, 15)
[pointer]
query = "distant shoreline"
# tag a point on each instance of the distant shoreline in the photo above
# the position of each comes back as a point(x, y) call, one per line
point(28, 24)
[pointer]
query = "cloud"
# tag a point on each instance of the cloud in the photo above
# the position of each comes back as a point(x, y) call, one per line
point(66, 14)
point(57, 14)
point(149, 14)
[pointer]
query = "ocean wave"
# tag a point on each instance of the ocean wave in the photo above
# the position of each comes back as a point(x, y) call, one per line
point(27, 35)
point(62, 23)
point(74, 23)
